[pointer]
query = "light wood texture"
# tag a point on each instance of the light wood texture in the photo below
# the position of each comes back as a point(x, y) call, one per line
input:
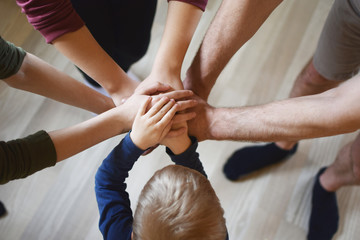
point(59, 202)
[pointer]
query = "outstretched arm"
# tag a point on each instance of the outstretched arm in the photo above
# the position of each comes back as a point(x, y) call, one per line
point(27, 72)
point(72, 140)
point(330, 113)
point(234, 24)
point(83, 50)
point(60, 25)
point(149, 127)
point(23, 157)
point(181, 22)
point(38, 77)
point(110, 188)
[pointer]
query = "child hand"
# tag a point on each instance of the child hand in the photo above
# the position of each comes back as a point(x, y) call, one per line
point(150, 127)
point(177, 139)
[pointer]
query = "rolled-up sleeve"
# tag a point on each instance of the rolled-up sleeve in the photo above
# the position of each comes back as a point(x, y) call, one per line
point(198, 3)
point(52, 18)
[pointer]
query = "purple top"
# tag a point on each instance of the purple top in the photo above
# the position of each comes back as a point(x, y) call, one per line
point(198, 3)
point(54, 18)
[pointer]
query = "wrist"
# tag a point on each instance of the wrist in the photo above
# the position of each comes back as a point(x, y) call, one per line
point(218, 127)
point(181, 145)
point(118, 89)
point(169, 76)
point(200, 84)
point(118, 120)
point(137, 141)
point(166, 65)
point(124, 118)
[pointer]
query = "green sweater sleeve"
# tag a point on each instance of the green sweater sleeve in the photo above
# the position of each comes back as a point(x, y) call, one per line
point(11, 58)
point(22, 157)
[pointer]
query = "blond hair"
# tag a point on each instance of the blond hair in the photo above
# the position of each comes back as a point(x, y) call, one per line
point(178, 203)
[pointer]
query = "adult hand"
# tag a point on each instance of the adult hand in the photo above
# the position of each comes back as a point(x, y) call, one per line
point(201, 126)
point(124, 90)
point(197, 86)
point(159, 90)
point(132, 104)
point(152, 88)
point(165, 77)
point(182, 98)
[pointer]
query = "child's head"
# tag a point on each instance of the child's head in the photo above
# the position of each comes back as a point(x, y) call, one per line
point(178, 203)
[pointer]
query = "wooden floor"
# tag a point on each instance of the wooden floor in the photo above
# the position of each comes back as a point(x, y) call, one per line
point(59, 202)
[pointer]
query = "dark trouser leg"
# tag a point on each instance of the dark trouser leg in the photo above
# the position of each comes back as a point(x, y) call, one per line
point(2, 209)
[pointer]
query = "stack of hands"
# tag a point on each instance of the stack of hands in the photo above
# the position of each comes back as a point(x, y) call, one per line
point(160, 117)
point(177, 112)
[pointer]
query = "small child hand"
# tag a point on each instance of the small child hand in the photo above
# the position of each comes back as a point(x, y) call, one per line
point(177, 139)
point(150, 127)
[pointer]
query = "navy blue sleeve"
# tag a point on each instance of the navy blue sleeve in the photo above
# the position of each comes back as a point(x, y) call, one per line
point(113, 201)
point(189, 158)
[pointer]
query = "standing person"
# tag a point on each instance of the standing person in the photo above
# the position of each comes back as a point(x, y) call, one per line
point(104, 38)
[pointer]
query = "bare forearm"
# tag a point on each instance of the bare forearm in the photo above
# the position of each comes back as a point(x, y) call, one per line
point(182, 20)
point(83, 50)
point(291, 120)
point(234, 24)
point(72, 140)
point(38, 77)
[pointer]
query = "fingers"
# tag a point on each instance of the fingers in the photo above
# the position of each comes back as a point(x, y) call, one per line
point(143, 107)
point(166, 130)
point(158, 106)
point(159, 110)
point(164, 119)
point(153, 88)
point(183, 117)
point(176, 132)
point(178, 94)
point(183, 105)
point(168, 109)
point(161, 88)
